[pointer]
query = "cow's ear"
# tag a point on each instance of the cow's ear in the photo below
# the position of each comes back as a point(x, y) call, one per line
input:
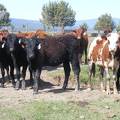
point(74, 31)
point(4, 39)
point(39, 46)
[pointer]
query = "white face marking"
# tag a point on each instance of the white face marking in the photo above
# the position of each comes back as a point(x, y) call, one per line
point(39, 47)
point(3, 45)
point(19, 41)
point(112, 39)
point(78, 37)
point(113, 76)
point(85, 33)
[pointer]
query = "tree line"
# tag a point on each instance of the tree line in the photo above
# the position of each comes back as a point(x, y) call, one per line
point(60, 14)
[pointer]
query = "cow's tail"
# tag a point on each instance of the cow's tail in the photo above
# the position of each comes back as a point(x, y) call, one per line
point(93, 69)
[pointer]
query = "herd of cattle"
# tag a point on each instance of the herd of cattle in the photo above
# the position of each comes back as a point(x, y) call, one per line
point(34, 50)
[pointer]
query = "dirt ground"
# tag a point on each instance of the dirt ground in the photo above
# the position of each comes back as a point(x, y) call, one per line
point(50, 91)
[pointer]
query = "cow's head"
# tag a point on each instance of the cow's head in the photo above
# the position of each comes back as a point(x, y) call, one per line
point(33, 46)
point(78, 33)
point(113, 38)
point(3, 43)
point(11, 38)
point(41, 34)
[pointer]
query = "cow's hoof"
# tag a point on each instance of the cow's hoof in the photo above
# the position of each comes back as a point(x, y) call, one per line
point(31, 87)
point(89, 89)
point(35, 92)
point(16, 88)
point(115, 92)
point(2, 86)
point(13, 85)
point(76, 89)
point(103, 91)
point(23, 88)
point(23, 85)
point(63, 88)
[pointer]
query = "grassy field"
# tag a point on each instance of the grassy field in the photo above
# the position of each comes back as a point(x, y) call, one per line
point(84, 75)
point(104, 109)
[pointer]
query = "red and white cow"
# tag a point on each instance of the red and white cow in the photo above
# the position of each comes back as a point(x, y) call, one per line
point(101, 52)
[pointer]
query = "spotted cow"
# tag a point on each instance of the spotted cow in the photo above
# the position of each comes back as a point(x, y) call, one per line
point(101, 52)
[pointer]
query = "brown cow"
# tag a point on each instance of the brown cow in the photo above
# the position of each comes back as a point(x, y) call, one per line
point(85, 37)
point(3, 34)
point(26, 35)
point(39, 34)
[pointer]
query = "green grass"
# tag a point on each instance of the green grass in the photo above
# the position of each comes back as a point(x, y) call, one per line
point(41, 110)
point(84, 75)
point(101, 109)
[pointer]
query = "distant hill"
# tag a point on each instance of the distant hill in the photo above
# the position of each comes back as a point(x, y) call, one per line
point(31, 25)
point(23, 25)
point(91, 23)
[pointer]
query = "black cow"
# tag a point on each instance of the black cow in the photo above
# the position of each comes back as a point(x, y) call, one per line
point(53, 51)
point(116, 68)
point(118, 81)
point(6, 62)
point(19, 57)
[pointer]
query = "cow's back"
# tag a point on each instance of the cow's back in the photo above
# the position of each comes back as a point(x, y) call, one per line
point(58, 49)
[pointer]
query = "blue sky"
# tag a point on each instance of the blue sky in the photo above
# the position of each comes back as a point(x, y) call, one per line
point(85, 9)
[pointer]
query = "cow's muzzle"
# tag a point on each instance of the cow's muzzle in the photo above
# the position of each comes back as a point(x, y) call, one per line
point(32, 56)
point(11, 49)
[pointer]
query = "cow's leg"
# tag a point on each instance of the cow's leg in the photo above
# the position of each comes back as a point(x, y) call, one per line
point(115, 91)
point(107, 77)
point(12, 74)
point(31, 78)
point(23, 76)
point(8, 76)
point(18, 78)
point(115, 74)
point(66, 66)
point(117, 81)
point(36, 77)
point(89, 81)
point(102, 79)
point(3, 76)
point(91, 72)
point(86, 55)
point(76, 70)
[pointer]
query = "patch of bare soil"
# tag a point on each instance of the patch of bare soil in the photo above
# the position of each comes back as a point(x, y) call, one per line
point(49, 91)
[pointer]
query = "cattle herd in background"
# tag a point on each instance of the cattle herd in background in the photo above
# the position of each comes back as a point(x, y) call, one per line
point(34, 50)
